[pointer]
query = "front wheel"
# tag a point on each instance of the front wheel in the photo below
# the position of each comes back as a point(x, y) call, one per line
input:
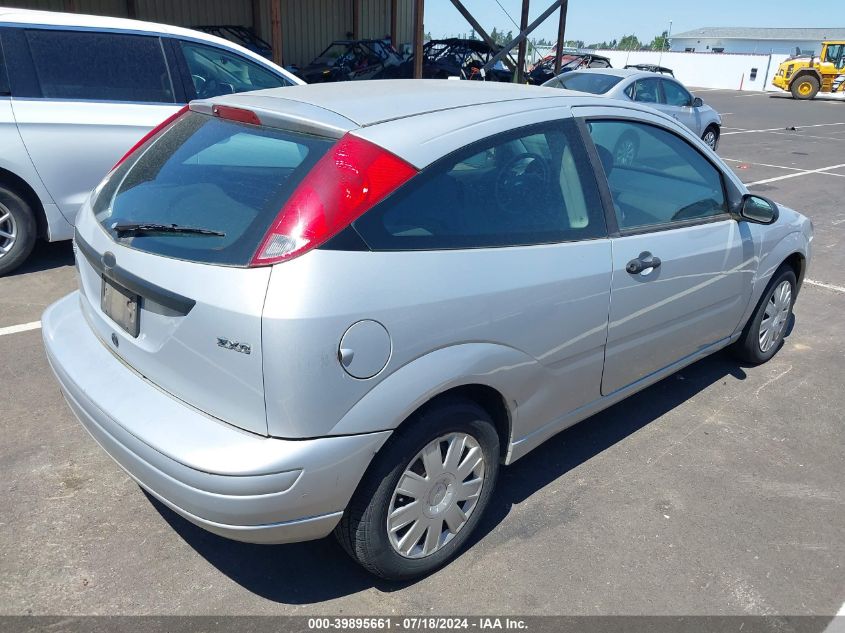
point(805, 87)
point(424, 493)
point(711, 137)
point(765, 331)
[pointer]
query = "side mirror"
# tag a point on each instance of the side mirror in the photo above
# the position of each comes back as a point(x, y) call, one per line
point(758, 209)
point(697, 102)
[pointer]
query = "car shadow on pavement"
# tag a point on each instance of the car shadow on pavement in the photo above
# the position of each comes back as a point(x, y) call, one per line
point(46, 256)
point(313, 572)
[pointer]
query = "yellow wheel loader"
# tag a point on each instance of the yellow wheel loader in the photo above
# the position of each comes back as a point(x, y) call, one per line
point(805, 76)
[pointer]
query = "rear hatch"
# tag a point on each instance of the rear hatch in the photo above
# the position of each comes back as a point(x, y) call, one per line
point(166, 249)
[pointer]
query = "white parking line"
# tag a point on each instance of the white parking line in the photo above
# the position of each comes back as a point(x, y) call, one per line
point(780, 129)
point(803, 173)
point(815, 138)
point(821, 284)
point(837, 624)
point(23, 327)
point(745, 162)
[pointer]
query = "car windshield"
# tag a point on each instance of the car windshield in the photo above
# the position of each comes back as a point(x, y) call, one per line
point(594, 83)
point(206, 189)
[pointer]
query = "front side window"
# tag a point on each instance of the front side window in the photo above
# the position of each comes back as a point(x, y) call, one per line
point(676, 95)
point(101, 66)
point(646, 91)
point(533, 186)
point(662, 178)
point(215, 72)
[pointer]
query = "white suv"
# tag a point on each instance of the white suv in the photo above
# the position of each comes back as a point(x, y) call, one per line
point(78, 91)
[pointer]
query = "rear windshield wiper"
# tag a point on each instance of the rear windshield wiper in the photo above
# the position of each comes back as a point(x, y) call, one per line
point(149, 228)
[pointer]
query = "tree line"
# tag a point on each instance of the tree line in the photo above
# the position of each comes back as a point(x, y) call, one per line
point(626, 43)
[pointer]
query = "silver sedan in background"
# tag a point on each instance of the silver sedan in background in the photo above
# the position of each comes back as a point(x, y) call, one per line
point(658, 91)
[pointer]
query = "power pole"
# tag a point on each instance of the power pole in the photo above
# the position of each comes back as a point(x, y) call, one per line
point(520, 60)
point(419, 34)
point(561, 30)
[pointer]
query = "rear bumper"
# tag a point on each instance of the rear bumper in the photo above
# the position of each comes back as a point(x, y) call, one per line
point(237, 484)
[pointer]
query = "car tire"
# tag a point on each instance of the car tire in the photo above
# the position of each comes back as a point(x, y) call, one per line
point(711, 136)
point(626, 149)
point(398, 551)
point(775, 306)
point(805, 87)
point(17, 230)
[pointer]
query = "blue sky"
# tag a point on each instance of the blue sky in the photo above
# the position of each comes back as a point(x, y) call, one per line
point(598, 20)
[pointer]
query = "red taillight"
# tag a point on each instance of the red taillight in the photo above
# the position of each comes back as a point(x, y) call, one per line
point(236, 114)
point(158, 128)
point(344, 184)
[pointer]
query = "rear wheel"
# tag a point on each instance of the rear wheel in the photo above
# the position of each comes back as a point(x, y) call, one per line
point(805, 87)
point(764, 333)
point(424, 493)
point(17, 230)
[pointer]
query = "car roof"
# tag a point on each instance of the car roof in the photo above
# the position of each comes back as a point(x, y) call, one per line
point(419, 120)
point(616, 72)
point(366, 103)
point(82, 21)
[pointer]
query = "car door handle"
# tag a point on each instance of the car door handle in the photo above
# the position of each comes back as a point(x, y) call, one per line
point(643, 261)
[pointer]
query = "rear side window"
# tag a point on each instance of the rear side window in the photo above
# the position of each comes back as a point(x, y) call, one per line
point(211, 174)
point(101, 66)
point(4, 78)
point(215, 72)
point(593, 83)
point(532, 186)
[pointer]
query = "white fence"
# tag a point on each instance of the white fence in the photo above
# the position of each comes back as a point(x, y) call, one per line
point(708, 70)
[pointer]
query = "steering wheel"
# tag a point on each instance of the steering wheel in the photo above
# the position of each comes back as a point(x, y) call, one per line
point(199, 83)
point(523, 178)
point(213, 88)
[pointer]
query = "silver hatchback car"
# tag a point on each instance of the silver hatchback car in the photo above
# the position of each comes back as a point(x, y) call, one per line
point(658, 91)
point(342, 307)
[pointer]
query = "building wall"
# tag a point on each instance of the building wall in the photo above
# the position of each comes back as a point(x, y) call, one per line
point(178, 12)
point(308, 26)
point(708, 70)
point(704, 44)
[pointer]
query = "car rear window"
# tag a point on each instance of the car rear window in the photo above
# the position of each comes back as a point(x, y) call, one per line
point(207, 173)
point(593, 83)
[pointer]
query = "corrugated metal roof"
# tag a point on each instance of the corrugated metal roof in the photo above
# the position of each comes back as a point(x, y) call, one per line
point(754, 33)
